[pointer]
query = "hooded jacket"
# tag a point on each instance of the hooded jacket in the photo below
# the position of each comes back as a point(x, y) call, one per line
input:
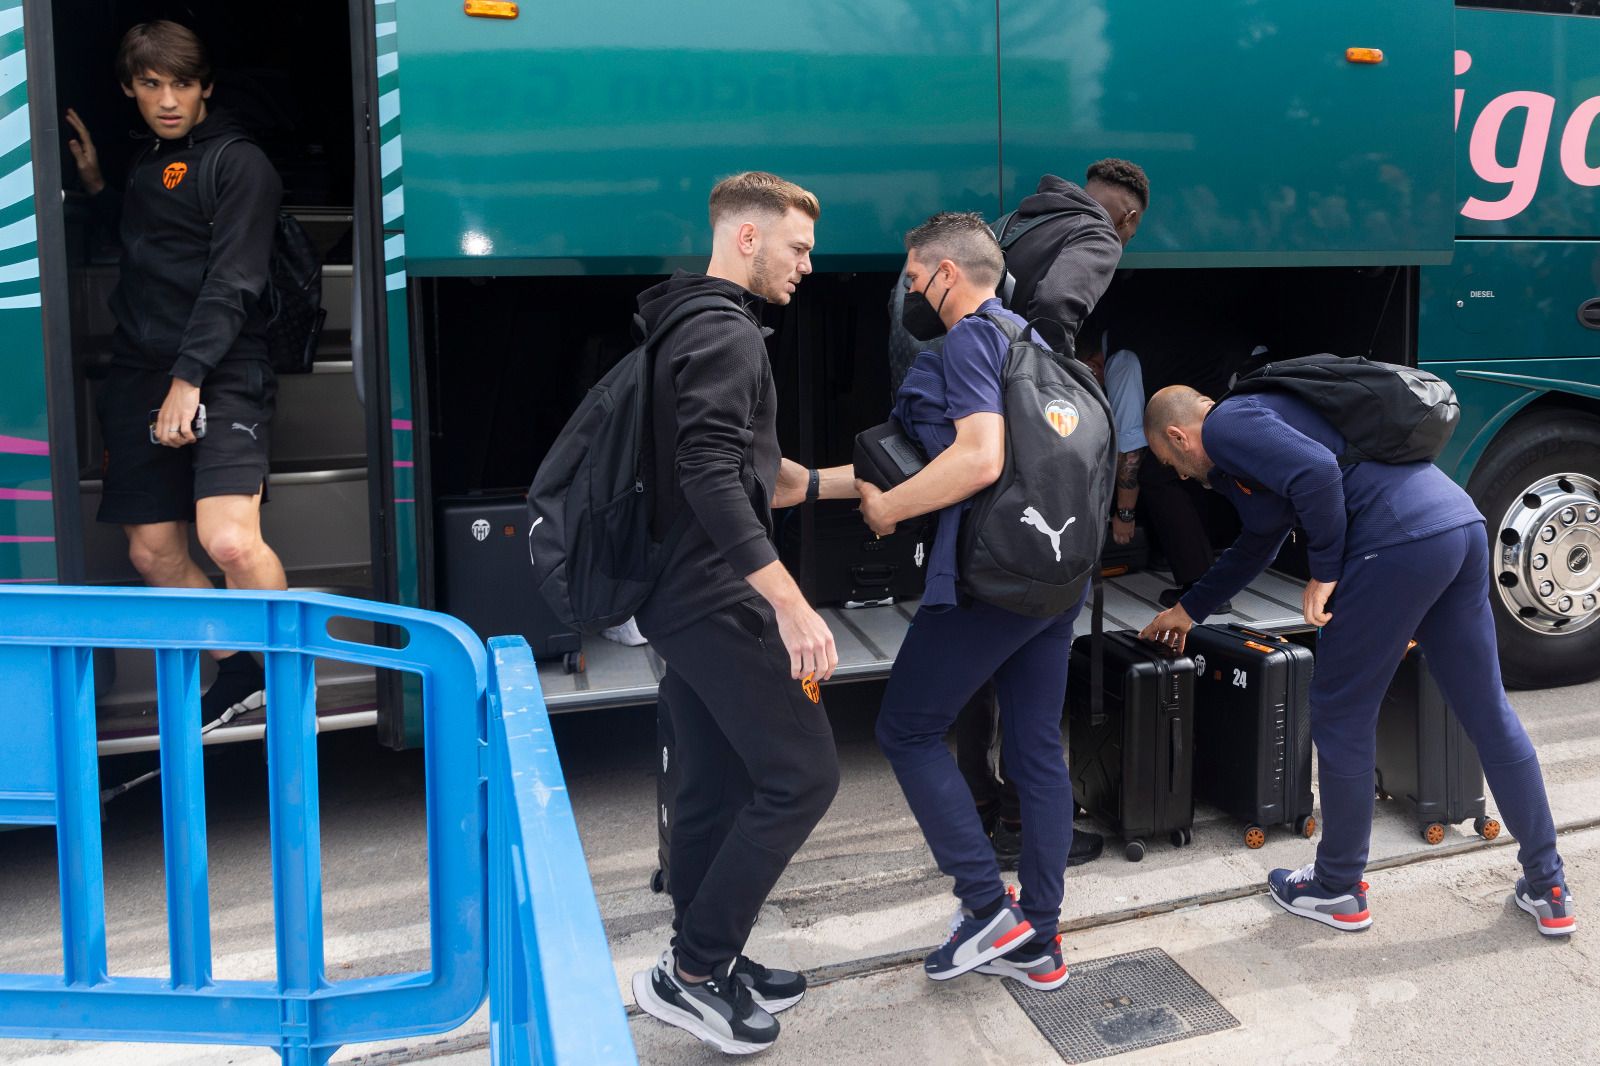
point(189, 288)
point(1062, 266)
point(716, 449)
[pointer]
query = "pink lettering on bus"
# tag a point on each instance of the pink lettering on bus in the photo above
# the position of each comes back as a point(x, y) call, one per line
point(1522, 177)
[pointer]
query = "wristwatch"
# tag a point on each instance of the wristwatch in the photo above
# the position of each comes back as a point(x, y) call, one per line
point(1124, 514)
point(813, 485)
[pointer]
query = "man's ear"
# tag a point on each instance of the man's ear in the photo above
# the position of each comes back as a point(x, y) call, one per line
point(205, 94)
point(747, 238)
point(127, 90)
point(1177, 437)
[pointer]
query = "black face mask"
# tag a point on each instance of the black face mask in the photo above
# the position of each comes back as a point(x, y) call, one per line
point(920, 318)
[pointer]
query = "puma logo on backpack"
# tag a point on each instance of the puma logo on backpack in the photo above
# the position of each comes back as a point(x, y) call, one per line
point(1032, 517)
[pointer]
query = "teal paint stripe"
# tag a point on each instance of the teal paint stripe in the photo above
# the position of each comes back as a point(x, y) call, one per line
point(10, 15)
point(21, 232)
point(14, 131)
point(17, 185)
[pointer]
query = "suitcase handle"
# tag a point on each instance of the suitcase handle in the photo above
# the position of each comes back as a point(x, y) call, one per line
point(873, 574)
point(1247, 631)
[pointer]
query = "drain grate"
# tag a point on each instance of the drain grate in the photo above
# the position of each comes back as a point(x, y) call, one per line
point(1121, 1004)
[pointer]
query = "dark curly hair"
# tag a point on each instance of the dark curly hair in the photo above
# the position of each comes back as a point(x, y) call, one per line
point(1122, 173)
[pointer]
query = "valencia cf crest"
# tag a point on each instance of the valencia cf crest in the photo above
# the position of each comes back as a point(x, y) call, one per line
point(1062, 416)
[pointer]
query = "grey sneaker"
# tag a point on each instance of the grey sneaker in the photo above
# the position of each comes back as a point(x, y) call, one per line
point(1299, 892)
point(719, 1010)
point(1552, 908)
point(974, 941)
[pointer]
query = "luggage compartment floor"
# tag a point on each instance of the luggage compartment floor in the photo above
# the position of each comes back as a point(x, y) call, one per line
point(868, 639)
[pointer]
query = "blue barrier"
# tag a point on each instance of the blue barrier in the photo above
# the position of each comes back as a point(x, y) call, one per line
point(538, 910)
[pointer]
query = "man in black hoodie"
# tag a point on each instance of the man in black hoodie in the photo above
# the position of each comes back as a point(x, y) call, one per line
point(744, 651)
point(190, 330)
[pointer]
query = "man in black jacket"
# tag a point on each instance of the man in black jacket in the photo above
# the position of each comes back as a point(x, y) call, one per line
point(744, 651)
point(190, 330)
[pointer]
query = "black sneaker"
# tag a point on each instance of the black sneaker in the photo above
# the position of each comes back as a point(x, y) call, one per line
point(1007, 845)
point(1086, 847)
point(240, 686)
point(720, 1010)
point(773, 990)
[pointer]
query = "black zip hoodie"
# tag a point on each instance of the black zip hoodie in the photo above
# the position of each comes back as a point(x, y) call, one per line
point(1064, 265)
point(188, 292)
point(717, 450)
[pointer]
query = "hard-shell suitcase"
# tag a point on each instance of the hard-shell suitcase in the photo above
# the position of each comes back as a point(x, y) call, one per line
point(666, 795)
point(1130, 558)
point(487, 581)
point(1132, 757)
point(1425, 758)
point(1252, 727)
point(845, 564)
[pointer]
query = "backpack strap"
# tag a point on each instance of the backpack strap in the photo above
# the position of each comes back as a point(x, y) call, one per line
point(1097, 646)
point(208, 176)
point(1008, 234)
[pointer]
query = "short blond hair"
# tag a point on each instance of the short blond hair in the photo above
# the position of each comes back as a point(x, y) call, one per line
point(756, 191)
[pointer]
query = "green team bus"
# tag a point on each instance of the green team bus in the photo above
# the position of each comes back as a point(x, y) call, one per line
point(491, 184)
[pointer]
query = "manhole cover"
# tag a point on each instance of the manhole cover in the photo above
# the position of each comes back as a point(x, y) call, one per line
point(1120, 1004)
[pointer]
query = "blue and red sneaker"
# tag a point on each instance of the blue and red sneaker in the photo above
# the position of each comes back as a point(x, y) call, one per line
point(974, 941)
point(1032, 964)
point(1299, 892)
point(1552, 908)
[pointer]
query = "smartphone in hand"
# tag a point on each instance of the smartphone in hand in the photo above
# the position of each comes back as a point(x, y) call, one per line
point(198, 425)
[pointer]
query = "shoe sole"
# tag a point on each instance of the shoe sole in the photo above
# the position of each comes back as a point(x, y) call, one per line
point(773, 1006)
point(1563, 930)
point(993, 951)
point(645, 997)
point(1003, 969)
point(1317, 916)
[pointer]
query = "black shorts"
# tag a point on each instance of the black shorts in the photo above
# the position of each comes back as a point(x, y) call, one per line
point(147, 483)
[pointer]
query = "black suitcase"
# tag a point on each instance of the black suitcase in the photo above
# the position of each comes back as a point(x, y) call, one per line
point(1252, 727)
point(666, 795)
point(1130, 558)
point(1132, 762)
point(486, 579)
point(846, 564)
point(1425, 758)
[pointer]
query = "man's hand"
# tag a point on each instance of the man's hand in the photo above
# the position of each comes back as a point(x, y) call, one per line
point(1121, 532)
point(874, 510)
point(807, 639)
point(1315, 602)
point(84, 154)
point(174, 423)
point(1170, 627)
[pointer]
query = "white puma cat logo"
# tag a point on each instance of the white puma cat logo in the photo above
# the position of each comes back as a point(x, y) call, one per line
point(1032, 517)
point(250, 429)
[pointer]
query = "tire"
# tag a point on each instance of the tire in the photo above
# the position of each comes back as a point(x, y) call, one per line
point(1134, 851)
point(1433, 833)
point(1536, 470)
point(1306, 827)
point(658, 882)
point(1254, 837)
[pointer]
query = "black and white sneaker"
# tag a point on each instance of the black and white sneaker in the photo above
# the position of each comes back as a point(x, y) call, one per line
point(240, 686)
point(720, 1010)
point(774, 990)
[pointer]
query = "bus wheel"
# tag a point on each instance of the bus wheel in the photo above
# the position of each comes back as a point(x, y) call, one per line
point(1539, 487)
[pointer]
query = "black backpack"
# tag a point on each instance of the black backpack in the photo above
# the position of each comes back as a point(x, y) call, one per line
point(1031, 541)
point(293, 299)
point(1386, 413)
point(591, 503)
point(1006, 235)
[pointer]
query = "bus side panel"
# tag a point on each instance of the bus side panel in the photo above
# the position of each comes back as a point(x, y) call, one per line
point(1528, 124)
point(1510, 300)
point(27, 520)
point(588, 135)
point(1264, 144)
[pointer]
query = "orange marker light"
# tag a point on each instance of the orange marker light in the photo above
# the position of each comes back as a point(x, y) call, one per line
point(1253, 646)
point(491, 9)
point(1364, 55)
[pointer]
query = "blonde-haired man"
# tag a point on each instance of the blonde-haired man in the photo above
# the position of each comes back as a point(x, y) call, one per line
point(745, 653)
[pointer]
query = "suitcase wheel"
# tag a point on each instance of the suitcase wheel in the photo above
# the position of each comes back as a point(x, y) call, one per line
point(1487, 828)
point(1306, 827)
point(573, 662)
point(1254, 837)
point(1134, 851)
point(1433, 833)
point(1182, 838)
point(658, 882)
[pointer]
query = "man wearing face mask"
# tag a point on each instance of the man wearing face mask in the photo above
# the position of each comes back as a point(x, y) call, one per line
point(952, 402)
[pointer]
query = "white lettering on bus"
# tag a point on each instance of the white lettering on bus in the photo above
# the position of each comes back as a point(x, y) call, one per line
point(1522, 177)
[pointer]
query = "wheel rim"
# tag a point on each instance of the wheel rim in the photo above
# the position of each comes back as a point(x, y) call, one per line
point(1548, 571)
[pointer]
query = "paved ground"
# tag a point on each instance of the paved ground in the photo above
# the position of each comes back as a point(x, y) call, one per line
point(1447, 971)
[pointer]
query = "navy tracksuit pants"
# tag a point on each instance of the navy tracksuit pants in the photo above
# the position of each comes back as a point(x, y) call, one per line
point(947, 654)
point(1436, 590)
